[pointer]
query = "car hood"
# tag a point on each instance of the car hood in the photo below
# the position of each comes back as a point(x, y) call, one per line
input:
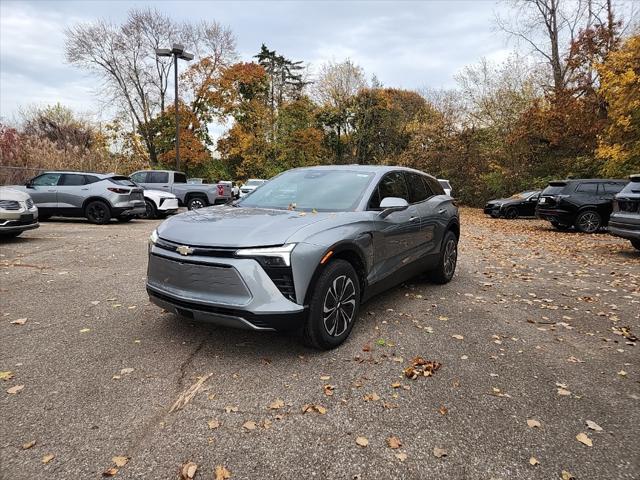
point(159, 193)
point(14, 192)
point(237, 227)
point(505, 201)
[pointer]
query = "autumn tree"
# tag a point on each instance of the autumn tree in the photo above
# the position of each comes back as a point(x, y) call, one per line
point(123, 56)
point(620, 87)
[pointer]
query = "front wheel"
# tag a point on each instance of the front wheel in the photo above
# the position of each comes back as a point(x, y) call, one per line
point(334, 306)
point(196, 202)
point(443, 273)
point(589, 222)
point(98, 212)
point(150, 210)
point(511, 213)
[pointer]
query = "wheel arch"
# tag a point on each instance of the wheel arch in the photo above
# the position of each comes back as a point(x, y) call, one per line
point(99, 199)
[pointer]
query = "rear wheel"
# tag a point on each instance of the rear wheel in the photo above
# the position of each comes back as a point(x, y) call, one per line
point(196, 202)
point(334, 306)
point(443, 273)
point(150, 210)
point(636, 244)
point(589, 221)
point(511, 213)
point(98, 212)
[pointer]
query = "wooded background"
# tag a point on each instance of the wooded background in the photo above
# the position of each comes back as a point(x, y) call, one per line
point(565, 103)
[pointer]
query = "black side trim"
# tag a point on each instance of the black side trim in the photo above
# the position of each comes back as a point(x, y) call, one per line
point(278, 321)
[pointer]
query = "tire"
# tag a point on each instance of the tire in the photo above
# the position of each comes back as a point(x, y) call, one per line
point(325, 331)
point(196, 202)
point(151, 210)
point(125, 219)
point(448, 260)
point(98, 212)
point(511, 213)
point(588, 221)
point(560, 226)
point(636, 244)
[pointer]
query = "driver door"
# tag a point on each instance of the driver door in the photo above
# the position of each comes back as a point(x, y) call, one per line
point(397, 237)
point(44, 191)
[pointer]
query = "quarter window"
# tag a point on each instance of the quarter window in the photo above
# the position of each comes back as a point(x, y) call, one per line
point(417, 188)
point(612, 187)
point(179, 178)
point(157, 177)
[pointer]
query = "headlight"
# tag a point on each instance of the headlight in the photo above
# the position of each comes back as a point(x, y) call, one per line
point(153, 238)
point(270, 256)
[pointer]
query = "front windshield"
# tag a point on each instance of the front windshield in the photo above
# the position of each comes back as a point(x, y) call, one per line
point(322, 190)
point(522, 195)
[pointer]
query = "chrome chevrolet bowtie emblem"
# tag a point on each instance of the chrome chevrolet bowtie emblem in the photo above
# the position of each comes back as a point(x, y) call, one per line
point(184, 250)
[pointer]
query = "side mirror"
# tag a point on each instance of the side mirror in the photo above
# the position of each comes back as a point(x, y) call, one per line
point(28, 184)
point(392, 204)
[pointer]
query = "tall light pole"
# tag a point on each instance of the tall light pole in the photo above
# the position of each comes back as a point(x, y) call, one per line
point(177, 52)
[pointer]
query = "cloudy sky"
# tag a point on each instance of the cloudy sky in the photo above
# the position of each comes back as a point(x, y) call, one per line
point(409, 44)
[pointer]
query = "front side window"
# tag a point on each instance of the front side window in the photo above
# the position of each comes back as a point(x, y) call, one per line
point(46, 180)
point(139, 177)
point(312, 189)
point(392, 185)
point(73, 180)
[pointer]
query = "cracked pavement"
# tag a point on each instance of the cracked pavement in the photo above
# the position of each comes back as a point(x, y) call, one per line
point(531, 312)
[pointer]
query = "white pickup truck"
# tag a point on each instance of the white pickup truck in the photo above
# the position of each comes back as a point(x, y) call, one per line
point(190, 195)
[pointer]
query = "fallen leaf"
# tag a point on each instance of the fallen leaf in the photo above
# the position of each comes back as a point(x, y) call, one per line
point(120, 461)
point(213, 424)
point(276, 404)
point(249, 425)
point(126, 371)
point(564, 392)
point(371, 397)
point(421, 368)
point(328, 390)
point(325, 377)
point(47, 458)
point(533, 423)
point(230, 409)
point(594, 426)
point(222, 473)
point(85, 330)
point(401, 456)
point(311, 408)
point(110, 472)
point(622, 373)
point(188, 471)
point(395, 385)
point(15, 389)
point(443, 410)
point(394, 442)
point(362, 441)
point(6, 375)
point(458, 337)
point(583, 438)
point(28, 445)
point(533, 461)
point(439, 452)
point(20, 321)
point(566, 475)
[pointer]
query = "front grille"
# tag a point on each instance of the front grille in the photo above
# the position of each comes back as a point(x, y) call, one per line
point(29, 203)
point(628, 205)
point(9, 205)
point(282, 277)
point(199, 251)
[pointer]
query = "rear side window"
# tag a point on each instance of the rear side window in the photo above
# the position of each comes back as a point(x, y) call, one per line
point(434, 185)
point(587, 188)
point(157, 177)
point(124, 181)
point(417, 188)
point(91, 178)
point(72, 180)
point(392, 185)
point(612, 187)
point(179, 177)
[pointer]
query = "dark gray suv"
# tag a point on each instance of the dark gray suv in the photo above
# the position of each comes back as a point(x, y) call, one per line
point(305, 249)
point(96, 196)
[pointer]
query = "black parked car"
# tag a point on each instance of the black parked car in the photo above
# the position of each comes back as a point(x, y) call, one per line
point(519, 205)
point(625, 219)
point(583, 203)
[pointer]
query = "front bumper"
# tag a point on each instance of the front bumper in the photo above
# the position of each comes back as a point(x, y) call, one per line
point(493, 210)
point(168, 205)
point(225, 291)
point(18, 220)
point(625, 228)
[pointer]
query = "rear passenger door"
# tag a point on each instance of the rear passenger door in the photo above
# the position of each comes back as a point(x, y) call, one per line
point(428, 205)
point(72, 191)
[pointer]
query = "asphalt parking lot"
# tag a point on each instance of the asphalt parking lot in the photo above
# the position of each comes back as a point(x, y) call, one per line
point(537, 325)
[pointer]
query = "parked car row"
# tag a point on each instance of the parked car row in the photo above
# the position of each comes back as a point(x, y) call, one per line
point(584, 204)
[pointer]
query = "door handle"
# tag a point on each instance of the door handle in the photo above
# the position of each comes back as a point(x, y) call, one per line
point(442, 210)
point(52, 191)
point(414, 219)
point(84, 189)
